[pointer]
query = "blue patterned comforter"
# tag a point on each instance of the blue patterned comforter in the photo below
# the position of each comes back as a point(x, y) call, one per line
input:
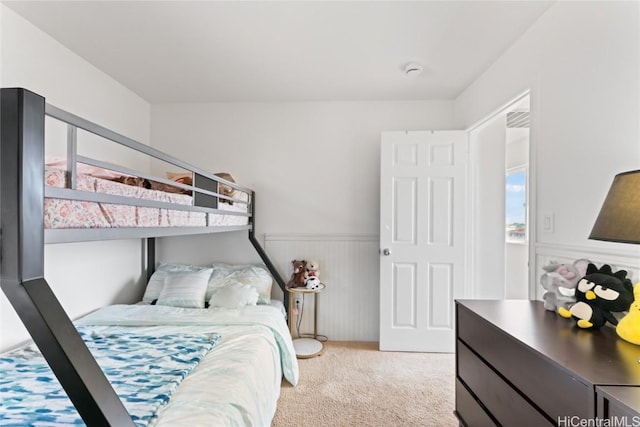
point(144, 370)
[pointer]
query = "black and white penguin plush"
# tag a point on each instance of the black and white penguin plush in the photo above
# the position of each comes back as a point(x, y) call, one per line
point(599, 293)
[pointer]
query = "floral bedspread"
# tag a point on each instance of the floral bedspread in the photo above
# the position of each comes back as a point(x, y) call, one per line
point(144, 370)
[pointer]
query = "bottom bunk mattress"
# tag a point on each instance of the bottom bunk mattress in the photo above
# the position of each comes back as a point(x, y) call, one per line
point(224, 367)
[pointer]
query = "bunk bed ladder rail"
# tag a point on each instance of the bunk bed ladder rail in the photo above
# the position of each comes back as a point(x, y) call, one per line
point(22, 265)
point(263, 255)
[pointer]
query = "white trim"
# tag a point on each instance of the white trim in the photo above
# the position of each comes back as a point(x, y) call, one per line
point(534, 114)
point(469, 223)
point(623, 255)
point(500, 110)
point(471, 218)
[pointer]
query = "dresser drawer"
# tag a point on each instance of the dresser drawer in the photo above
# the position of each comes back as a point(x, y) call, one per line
point(505, 404)
point(468, 409)
point(619, 403)
point(554, 390)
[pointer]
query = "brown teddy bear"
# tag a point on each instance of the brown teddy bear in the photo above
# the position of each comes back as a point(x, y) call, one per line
point(299, 270)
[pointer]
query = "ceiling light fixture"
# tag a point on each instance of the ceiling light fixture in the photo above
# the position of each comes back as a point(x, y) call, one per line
point(412, 69)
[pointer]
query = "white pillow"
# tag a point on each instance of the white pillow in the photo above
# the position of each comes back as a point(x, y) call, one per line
point(236, 295)
point(226, 275)
point(184, 288)
point(156, 281)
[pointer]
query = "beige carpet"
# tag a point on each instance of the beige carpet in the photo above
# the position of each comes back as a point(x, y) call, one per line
point(354, 384)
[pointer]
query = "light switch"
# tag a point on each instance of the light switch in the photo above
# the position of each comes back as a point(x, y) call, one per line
point(547, 222)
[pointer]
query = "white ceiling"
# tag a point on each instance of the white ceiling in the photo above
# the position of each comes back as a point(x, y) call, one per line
point(206, 51)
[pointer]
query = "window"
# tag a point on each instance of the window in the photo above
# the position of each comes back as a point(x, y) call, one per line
point(516, 205)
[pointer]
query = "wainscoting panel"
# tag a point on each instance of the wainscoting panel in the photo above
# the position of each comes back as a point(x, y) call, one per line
point(626, 258)
point(348, 308)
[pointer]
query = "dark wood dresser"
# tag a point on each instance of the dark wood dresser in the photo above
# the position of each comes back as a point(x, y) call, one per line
point(518, 364)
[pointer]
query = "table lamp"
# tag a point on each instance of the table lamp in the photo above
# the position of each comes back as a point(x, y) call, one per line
point(619, 221)
point(619, 217)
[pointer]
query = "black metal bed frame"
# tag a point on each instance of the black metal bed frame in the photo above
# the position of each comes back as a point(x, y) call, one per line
point(22, 240)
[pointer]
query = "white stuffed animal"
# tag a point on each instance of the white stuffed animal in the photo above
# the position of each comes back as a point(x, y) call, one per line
point(312, 283)
point(312, 269)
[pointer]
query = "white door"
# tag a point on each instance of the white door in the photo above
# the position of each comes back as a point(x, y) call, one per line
point(422, 238)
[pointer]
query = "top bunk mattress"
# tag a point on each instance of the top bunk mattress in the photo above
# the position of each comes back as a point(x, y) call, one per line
point(65, 213)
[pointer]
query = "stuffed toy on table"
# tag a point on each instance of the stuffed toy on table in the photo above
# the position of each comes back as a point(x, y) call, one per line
point(298, 275)
point(600, 293)
point(559, 282)
point(312, 269)
point(629, 326)
point(312, 275)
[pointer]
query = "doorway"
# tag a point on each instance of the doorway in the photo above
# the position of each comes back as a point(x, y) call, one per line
point(501, 217)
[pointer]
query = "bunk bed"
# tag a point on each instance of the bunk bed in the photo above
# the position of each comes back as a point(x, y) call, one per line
point(43, 205)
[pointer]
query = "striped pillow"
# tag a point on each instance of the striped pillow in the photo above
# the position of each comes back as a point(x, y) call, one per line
point(184, 288)
point(156, 282)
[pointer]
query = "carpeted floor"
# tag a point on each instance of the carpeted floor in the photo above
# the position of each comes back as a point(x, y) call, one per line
point(354, 384)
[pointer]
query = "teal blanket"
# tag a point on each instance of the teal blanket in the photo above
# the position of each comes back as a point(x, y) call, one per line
point(144, 370)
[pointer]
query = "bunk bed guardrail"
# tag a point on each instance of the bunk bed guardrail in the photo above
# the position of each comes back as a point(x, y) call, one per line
point(205, 186)
point(23, 236)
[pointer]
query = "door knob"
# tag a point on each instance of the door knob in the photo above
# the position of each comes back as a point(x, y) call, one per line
point(386, 252)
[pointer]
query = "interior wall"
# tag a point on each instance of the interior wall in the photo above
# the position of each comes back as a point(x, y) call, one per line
point(581, 61)
point(315, 166)
point(81, 274)
point(488, 146)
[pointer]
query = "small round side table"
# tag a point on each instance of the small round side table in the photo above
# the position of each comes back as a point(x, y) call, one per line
point(306, 347)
